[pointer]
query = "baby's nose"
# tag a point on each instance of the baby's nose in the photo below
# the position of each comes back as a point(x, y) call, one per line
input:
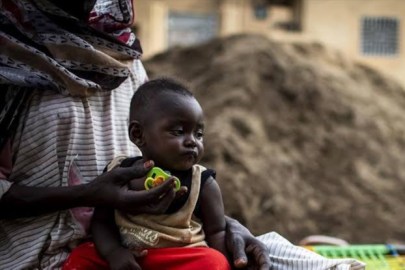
point(190, 141)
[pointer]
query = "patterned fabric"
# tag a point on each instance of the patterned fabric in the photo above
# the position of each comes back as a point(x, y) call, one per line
point(286, 256)
point(44, 47)
point(11, 99)
point(114, 17)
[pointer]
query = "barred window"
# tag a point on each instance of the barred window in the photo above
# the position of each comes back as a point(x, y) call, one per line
point(380, 36)
point(188, 29)
point(260, 12)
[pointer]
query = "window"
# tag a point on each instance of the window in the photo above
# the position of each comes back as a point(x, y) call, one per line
point(380, 36)
point(260, 12)
point(189, 29)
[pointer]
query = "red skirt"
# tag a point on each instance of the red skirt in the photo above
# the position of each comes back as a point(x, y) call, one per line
point(85, 257)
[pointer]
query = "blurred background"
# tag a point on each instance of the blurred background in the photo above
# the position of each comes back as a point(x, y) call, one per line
point(304, 104)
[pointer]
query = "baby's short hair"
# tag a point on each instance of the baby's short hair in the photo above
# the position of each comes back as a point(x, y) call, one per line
point(148, 91)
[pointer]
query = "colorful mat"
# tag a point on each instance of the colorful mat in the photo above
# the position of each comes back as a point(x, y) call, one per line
point(376, 257)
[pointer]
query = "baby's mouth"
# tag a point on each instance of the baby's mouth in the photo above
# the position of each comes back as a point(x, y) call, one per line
point(193, 154)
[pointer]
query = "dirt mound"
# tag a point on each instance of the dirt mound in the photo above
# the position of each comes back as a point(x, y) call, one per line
point(304, 141)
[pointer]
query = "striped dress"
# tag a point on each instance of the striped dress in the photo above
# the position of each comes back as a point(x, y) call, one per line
point(57, 133)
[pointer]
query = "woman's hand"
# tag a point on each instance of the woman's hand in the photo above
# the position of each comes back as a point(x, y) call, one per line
point(245, 248)
point(111, 190)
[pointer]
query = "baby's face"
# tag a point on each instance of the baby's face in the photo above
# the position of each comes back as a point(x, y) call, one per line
point(174, 136)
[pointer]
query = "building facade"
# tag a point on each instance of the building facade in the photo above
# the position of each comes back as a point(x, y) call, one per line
point(370, 31)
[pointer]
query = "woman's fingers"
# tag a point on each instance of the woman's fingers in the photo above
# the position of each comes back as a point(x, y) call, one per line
point(164, 202)
point(260, 255)
point(129, 173)
point(183, 190)
point(145, 197)
point(236, 245)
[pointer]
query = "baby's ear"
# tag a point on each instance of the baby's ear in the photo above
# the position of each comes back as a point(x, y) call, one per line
point(136, 133)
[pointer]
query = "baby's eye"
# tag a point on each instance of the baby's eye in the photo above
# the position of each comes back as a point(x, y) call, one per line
point(177, 132)
point(199, 134)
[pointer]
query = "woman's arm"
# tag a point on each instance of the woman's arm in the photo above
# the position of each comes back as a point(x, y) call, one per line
point(109, 189)
point(213, 217)
point(23, 201)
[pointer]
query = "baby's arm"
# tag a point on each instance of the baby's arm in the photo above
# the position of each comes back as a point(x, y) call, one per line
point(107, 241)
point(213, 217)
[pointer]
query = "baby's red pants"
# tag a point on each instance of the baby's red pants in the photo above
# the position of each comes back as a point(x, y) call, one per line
point(85, 257)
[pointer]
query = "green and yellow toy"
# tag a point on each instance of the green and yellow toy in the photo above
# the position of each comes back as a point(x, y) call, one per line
point(157, 176)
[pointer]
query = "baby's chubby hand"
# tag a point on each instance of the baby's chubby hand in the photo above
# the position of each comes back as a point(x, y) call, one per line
point(125, 259)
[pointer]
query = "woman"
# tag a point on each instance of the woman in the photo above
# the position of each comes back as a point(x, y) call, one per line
point(67, 69)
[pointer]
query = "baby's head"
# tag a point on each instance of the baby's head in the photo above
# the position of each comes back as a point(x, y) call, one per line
point(167, 124)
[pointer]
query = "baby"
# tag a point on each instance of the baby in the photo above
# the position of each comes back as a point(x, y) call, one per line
point(167, 125)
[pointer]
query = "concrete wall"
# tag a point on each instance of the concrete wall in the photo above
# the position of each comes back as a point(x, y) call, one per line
point(337, 23)
point(151, 26)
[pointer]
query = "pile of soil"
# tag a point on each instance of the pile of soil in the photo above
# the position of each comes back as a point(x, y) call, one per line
point(304, 141)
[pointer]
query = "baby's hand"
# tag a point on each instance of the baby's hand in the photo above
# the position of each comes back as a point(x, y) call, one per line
point(124, 259)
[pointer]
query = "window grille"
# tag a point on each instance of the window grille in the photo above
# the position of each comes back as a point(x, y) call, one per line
point(260, 12)
point(188, 29)
point(380, 36)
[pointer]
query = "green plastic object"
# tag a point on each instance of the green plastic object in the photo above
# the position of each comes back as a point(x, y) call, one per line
point(157, 176)
point(376, 257)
